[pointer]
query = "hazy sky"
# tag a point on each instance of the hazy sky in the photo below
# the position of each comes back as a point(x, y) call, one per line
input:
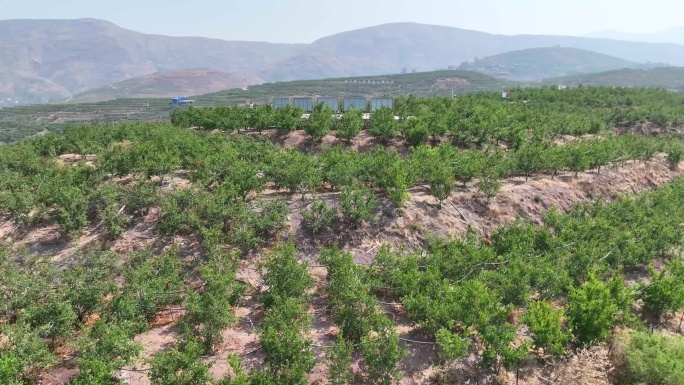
point(303, 21)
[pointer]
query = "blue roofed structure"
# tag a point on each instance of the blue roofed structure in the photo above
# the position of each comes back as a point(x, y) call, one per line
point(179, 101)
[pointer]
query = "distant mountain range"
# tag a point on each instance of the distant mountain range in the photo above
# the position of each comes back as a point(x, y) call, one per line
point(44, 60)
point(672, 35)
point(541, 63)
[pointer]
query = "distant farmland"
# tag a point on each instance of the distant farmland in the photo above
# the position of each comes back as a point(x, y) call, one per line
point(22, 122)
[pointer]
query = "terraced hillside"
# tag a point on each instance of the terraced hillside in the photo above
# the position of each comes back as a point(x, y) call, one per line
point(481, 241)
point(671, 78)
point(22, 122)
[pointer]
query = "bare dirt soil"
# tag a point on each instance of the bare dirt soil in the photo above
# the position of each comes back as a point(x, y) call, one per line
point(449, 83)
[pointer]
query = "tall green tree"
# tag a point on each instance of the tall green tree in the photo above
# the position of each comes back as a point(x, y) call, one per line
point(350, 125)
point(382, 124)
point(321, 121)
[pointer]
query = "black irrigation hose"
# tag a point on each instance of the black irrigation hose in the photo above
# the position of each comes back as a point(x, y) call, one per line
point(215, 358)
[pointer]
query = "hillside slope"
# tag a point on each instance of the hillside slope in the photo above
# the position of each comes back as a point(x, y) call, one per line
point(423, 47)
point(18, 88)
point(84, 54)
point(170, 84)
point(540, 63)
point(79, 55)
point(667, 77)
point(24, 121)
point(432, 83)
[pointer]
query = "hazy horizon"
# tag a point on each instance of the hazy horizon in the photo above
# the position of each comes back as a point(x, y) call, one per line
point(300, 21)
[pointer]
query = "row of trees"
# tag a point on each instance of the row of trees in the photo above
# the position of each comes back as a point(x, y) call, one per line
point(52, 306)
point(567, 274)
point(473, 119)
point(229, 171)
point(459, 291)
point(361, 322)
point(285, 119)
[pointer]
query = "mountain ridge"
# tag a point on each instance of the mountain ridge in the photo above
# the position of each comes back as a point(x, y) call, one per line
point(547, 62)
point(83, 54)
point(673, 35)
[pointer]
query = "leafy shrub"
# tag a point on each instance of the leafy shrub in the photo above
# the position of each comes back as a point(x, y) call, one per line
point(282, 334)
point(297, 172)
point(105, 349)
point(285, 276)
point(489, 187)
point(91, 270)
point(261, 117)
point(391, 173)
point(154, 282)
point(546, 325)
point(54, 319)
point(340, 359)
point(140, 197)
point(357, 203)
point(350, 125)
point(288, 118)
point(22, 354)
point(319, 216)
point(341, 167)
point(591, 311)
point(289, 357)
point(467, 166)
point(10, 369)
point(111, 208)
point(355, 310)
point(239, 375)
point(381, 354)
point(178, 213)
point(23, 203)
point(452, 346)
point(650, 358)
point(180, 366)
point(441, 182)
point(271, 218)
point(383, 125)
point(665, 291)
point(320, 122)
point(73, 205)
point(211, 309)
point(415, 131)
point(675, 153)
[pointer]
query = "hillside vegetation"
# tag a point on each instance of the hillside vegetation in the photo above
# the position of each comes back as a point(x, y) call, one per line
point(169, 84)
point(549, 62)
point(434, 83)
point(22, 122)
point(242, 258)
point(671, 78)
